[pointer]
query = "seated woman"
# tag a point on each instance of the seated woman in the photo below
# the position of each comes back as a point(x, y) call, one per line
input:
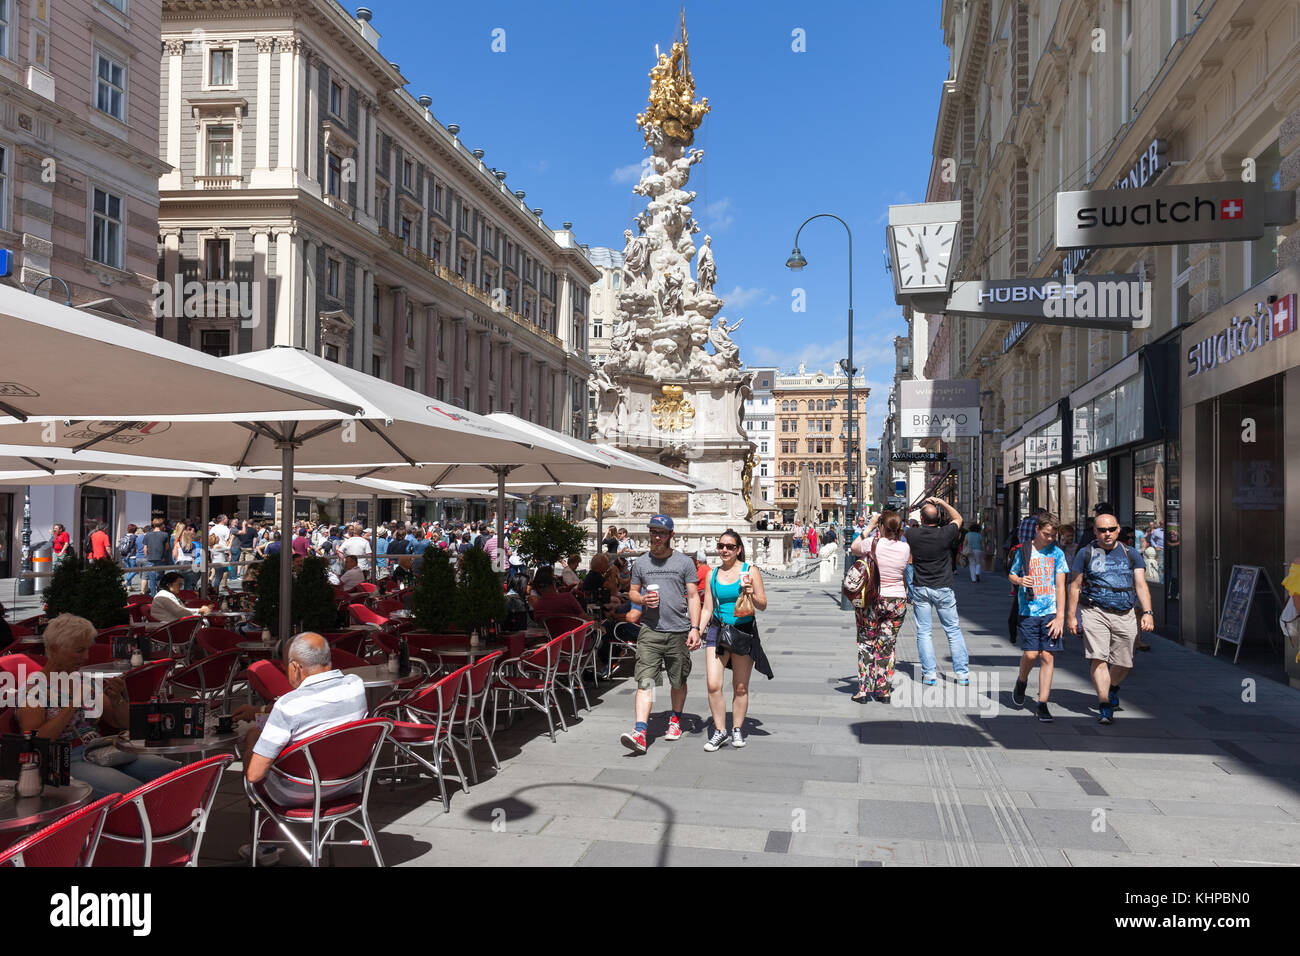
point(167, 605)
point(67, 639)
point(547, 602)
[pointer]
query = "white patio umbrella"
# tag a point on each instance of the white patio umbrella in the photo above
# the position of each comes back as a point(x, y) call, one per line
point(392, 424)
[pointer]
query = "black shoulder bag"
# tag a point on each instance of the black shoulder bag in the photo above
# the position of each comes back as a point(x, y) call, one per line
point(730, 637)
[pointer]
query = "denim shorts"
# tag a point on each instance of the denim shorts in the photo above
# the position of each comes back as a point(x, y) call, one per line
point(1034, 636)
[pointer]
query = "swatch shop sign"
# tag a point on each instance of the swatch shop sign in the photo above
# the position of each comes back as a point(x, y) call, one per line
point(1243, 334)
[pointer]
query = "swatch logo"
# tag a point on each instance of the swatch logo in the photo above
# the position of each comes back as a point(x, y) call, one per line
point(1160, 212)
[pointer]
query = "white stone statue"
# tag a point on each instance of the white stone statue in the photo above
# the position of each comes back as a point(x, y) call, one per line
point(726, 353)
point(635, 254)
point(707, 270)
point(670, 295)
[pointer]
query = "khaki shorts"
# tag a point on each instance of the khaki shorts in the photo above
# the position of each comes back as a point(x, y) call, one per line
point(1109, 635)
point(657, 651)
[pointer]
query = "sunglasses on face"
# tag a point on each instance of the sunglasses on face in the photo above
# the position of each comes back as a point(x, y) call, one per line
point(727, 547)
point(1107, 530)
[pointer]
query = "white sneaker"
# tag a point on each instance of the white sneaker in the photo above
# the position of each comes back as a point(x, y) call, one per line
point(267, 854)
point(716, 741)
point(736, 739)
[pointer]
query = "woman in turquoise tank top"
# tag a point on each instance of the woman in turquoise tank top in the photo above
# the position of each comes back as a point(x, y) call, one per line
point(723, 588)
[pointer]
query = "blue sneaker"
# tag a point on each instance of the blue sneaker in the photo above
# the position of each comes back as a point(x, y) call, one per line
point(929, 681)
point(1107, 714)
point(1114, 698)
point(962, 681)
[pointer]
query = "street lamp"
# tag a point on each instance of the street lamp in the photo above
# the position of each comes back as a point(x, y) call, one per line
point(796, 262)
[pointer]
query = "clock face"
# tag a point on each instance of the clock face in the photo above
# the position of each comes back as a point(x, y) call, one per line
point(922, 254)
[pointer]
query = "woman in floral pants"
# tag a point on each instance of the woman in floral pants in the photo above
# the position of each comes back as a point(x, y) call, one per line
point(878, 622)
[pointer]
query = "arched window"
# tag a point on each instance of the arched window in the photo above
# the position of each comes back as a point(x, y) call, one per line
point(837, 467)
point(820, 406)
point(819, 467)
point(785, 406)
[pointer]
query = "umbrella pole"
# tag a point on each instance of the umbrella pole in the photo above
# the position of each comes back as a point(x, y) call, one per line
point(286, 540)
point(205, 513)
point(374, 538)
point(600, 518)
point(501, 519)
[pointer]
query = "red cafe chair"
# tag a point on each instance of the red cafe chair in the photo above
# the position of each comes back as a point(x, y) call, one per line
point(360, 614)
point(268, 680)
point(152, 824)
point(470, 719)
point(208, 680)
point(534, 687)
point(334, 763)
point(70, 841)
point(144, 683)
point(430, 713)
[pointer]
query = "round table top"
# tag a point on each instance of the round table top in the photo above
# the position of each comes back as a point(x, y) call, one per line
point(180, 745)
point(268, 647)
point(377, 675)
point(106, 669)
point(470, 651)
point(237, 615)
point(27, 813)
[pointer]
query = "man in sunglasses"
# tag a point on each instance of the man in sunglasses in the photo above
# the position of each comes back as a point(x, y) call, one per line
point(666, 587)
point(1107, 580)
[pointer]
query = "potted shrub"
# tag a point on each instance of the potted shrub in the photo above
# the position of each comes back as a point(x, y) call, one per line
point(89, 589)
point(479, 598)
point(549, 538)
point(433, 596)
point(314, 606)
point(266, 608)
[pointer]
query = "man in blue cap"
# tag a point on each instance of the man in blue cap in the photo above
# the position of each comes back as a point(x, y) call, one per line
point(666, 586)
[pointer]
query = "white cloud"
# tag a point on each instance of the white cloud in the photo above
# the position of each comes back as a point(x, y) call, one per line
point(717, 215)
point(739, 298)
point(631, 173)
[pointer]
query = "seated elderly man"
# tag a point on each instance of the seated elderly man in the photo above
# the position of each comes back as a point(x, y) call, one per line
point(167, 605)
point(352, 577)
point(322, 697)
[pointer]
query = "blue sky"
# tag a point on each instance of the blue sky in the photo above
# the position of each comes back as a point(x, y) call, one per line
point(843, 127)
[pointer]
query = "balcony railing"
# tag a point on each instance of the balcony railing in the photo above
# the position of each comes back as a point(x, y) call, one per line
point(437, 269)
point(218, 182)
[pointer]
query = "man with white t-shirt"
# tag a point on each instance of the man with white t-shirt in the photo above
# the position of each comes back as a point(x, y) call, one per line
point(356, 546)
point(220, 550)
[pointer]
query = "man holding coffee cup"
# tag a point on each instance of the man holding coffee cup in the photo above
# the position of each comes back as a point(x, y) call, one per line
point(665, 585)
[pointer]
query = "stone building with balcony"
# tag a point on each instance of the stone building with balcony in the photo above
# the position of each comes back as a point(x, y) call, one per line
point(313, 202)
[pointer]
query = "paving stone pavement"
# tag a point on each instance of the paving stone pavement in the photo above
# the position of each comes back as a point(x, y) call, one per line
point(1196, 770)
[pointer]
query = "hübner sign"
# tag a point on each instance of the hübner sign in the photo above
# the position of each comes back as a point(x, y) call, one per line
point(1268, 322)
point(1114, 302)
point(1197, 212)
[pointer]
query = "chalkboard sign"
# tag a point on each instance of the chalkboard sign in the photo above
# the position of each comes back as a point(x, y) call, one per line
point(261, 507)
point(1236, 605)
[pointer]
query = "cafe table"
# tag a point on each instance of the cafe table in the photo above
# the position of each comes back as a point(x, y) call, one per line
point(379, 682)
point(175, 746)
point(106, 669)
point(18, 814)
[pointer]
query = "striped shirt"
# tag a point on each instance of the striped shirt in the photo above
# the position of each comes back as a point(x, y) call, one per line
point(321, 701)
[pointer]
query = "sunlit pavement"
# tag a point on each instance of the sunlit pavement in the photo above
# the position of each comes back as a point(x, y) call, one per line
point(1189, 773)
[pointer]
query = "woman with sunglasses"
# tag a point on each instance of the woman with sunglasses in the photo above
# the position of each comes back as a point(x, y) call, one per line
point(725, 585)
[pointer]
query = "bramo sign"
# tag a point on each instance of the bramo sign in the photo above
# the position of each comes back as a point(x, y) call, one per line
point(1166, 215)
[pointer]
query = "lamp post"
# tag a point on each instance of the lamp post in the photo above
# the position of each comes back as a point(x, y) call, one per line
point(796, 262)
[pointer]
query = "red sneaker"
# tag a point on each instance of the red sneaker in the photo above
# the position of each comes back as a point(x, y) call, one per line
point(674, 729)
point(634, 740)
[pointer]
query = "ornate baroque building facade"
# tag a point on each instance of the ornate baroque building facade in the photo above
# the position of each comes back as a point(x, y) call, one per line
point(351, 221)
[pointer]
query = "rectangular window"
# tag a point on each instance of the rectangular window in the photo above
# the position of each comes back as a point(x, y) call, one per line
point(4, 28)
point(332, 269)
point(215, 342)
point(407, 167)
point(410, 324)
point(406, 231)
point(597, 330)
point(440, 390)
point(409, 378)
point(106, 229)
point(216, 259)
point(376, 366)
point(334, 176)
point(437, 198)
point(221, 151)
point(336, 99)
point(110, 86)
point(331, 353)
point(221, 68)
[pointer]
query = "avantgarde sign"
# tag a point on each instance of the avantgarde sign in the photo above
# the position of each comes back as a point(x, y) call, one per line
point(1114, 302)
point(1165, 215)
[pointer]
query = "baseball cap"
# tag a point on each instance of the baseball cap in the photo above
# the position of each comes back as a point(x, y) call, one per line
point(661, 521)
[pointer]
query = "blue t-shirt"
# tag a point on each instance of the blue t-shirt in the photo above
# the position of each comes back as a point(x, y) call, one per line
point(1044, 566)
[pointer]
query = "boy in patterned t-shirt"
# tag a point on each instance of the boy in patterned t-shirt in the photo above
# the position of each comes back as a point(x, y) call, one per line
point(1038, 573)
